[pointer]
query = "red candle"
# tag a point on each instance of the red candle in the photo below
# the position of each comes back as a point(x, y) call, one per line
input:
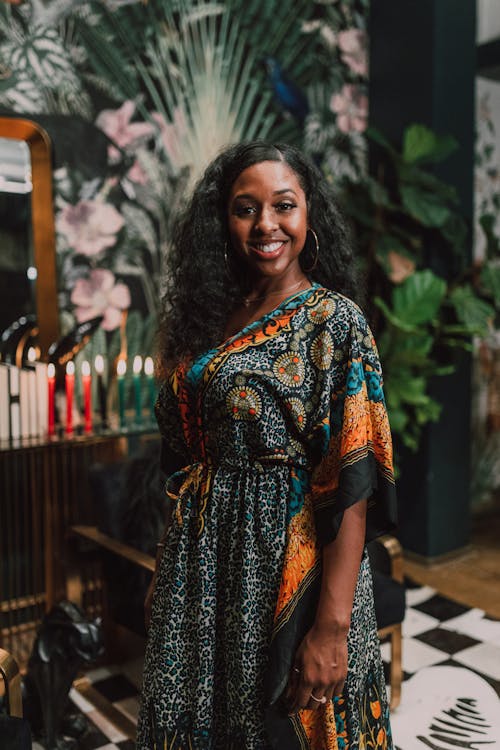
point(51, 381)
point(70, 389)
point(87, 397)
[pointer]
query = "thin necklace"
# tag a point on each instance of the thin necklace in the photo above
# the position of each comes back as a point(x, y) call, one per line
point(247, 301)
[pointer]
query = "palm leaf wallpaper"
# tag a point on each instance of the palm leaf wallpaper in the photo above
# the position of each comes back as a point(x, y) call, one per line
point(169, 84)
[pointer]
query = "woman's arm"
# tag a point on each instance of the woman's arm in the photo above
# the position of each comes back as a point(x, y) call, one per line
point(322, 656)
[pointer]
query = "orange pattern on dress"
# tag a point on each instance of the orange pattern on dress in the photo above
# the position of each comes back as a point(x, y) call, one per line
point(365, 427)
point(319, 727)
point(301, 555)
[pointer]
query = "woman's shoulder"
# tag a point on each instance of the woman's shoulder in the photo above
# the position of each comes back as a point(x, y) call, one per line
point(335, 306)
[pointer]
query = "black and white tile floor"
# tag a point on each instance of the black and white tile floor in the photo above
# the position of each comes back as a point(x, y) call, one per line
point(451, 691)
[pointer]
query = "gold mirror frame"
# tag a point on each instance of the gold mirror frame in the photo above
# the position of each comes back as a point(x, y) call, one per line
point(42, 220)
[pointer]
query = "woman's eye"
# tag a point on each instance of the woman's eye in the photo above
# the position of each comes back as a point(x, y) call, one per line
point(244, 210)
point(285, 206)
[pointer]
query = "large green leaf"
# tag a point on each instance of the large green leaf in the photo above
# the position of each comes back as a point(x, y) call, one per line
point(471, 309)
point(392, 317)
point(410, 174)
point(423, 145)
point(418, 298)
point(425, 207)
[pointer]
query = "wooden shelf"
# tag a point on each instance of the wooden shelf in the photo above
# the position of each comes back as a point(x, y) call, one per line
point(134, 431)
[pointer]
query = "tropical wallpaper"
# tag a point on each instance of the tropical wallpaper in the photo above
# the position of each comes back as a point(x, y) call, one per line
point(152, 90)
point(161, 87)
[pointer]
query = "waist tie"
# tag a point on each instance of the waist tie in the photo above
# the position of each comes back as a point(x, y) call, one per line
point(188, 480)
point(196, 478)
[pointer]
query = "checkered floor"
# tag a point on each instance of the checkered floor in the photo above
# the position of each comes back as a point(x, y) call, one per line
point(450, 697)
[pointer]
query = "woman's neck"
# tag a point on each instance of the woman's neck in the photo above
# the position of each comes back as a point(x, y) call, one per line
point(274, 287)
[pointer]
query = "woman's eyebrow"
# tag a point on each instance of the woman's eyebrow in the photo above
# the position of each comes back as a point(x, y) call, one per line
point(249, 196)
point(284, 190)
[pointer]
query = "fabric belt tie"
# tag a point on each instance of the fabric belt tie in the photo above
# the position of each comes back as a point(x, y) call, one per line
point(198, 476)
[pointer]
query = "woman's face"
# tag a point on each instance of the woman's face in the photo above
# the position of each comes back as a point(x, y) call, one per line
point(267, 214)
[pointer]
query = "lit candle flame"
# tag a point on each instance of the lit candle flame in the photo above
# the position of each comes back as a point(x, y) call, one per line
point(137, 366)
point(70, 368)
point(85, 368)
point(149, 367)
point(51, 371)
point(99, 364)
point(121, 367)
point(31, 354)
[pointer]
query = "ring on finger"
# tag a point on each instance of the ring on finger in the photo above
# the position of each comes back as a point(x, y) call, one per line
point(319, 700)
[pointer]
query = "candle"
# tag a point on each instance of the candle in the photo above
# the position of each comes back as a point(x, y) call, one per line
point(101, 390)
point(137, 367)
point(70, 389)
point(51, 382)
point(149, 372)
point(87, 397)
point(121, 369)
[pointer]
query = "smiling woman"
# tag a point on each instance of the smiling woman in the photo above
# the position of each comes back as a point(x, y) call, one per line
point(262, 632)
point(203, 257)
point(267, 222)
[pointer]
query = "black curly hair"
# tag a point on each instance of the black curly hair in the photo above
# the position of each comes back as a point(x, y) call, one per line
point(202, 288)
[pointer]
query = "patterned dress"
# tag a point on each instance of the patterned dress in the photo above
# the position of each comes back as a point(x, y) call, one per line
point(279, 430)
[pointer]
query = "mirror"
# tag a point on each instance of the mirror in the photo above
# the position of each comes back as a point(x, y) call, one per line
point(27, 234)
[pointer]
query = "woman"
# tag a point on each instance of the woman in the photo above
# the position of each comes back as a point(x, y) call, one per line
point(262, 631)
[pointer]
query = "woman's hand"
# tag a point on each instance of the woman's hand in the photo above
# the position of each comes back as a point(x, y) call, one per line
point(319, 670)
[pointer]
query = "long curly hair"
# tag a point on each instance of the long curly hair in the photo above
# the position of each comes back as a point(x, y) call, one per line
point(202, 287)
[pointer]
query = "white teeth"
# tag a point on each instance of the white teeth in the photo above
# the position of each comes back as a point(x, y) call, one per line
point(268, 247)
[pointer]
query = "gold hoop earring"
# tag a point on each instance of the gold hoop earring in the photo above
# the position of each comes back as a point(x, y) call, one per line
point(226, 260)
point(316, 255)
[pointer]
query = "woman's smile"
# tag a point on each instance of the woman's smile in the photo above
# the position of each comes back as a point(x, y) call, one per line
point(269, 249)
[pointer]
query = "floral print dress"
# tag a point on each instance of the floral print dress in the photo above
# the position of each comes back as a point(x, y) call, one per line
point(278, 430)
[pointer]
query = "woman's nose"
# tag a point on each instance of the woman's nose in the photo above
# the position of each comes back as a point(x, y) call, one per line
point(266, 221)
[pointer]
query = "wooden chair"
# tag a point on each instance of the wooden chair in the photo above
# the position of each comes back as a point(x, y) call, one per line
point(386, 557)
point(15, 732)
point(9, 671)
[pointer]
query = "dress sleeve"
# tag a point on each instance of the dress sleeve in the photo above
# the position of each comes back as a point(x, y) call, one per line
point(173, 451)
point(356, 461)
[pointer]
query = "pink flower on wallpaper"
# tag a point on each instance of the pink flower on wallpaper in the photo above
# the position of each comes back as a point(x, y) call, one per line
point(137, 174)
point(117, 126)
point(171, 134)
point(352, 44)
point(98, 294)
point(351, 108)
point(90, 226)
